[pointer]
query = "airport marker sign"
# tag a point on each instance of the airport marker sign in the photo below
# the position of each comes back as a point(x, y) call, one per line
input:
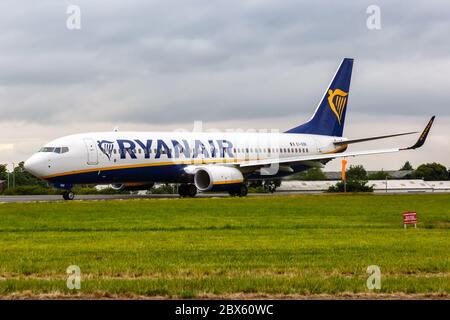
point(409, 218)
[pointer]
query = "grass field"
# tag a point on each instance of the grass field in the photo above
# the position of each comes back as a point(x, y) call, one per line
point(257, 246)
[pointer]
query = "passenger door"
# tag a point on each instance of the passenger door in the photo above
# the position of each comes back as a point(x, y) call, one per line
point(91, 147)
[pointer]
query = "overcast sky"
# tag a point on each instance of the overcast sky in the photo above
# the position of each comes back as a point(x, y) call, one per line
point(263, 64)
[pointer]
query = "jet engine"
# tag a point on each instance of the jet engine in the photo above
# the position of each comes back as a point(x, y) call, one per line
point(215, 178)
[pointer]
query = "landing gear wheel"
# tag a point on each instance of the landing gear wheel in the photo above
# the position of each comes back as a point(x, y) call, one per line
point(243, 190)
point(233, 193)
point(183, 190)
point(192, 190)
point(68, 195)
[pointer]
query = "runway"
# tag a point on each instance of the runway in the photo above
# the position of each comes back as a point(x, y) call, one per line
point(98, 197)
point(46, 198)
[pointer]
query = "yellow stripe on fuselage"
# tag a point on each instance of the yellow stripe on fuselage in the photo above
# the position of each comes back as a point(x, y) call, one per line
point(337, 150)
point(143, 165)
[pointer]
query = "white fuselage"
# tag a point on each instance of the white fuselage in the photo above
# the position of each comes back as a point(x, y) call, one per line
point(121, 157)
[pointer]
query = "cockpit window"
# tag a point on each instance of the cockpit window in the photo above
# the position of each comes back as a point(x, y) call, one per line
point(54, 149)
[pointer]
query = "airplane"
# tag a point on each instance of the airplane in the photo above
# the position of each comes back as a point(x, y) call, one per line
point(206, 161)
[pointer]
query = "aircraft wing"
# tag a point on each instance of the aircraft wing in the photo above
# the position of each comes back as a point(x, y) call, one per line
point(346, 142)
point(299, 159)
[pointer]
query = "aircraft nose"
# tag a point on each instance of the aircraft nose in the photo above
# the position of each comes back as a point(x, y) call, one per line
point(35, 165)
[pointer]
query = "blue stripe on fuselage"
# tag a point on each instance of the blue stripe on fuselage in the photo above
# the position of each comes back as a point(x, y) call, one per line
point(165, 174)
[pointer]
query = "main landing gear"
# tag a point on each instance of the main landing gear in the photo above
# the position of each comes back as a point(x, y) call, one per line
point(241, 191)
point(187, 190)
point(68, 195)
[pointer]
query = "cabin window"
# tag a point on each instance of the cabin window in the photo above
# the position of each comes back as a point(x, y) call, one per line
point(54, 149)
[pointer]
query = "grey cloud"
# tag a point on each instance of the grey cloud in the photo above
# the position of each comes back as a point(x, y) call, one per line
point(172, 61)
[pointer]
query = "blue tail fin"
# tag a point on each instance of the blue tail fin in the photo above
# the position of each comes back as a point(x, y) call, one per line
point(329, 117)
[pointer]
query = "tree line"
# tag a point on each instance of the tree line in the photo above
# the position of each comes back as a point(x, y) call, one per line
point(428, 172)
point(357, 177)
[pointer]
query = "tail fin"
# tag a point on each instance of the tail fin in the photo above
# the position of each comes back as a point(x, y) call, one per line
point(329, 117)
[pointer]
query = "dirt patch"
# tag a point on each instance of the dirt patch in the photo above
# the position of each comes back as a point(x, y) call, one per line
point(27, 295)
point(186, 275)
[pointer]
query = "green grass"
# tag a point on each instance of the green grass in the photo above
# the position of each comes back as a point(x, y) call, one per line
point(307, 244)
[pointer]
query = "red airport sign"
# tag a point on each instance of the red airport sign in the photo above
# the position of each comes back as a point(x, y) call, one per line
point(409, 218)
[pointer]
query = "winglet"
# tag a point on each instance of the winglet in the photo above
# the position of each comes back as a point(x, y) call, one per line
point(423, 136)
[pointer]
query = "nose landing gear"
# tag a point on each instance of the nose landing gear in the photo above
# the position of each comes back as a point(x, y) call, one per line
point(68, 195)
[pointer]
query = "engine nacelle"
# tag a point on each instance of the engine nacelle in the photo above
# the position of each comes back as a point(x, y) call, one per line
point(133, 186)
point(210, 178)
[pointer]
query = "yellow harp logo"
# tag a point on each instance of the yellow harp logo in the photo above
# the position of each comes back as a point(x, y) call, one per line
point(337, 100)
